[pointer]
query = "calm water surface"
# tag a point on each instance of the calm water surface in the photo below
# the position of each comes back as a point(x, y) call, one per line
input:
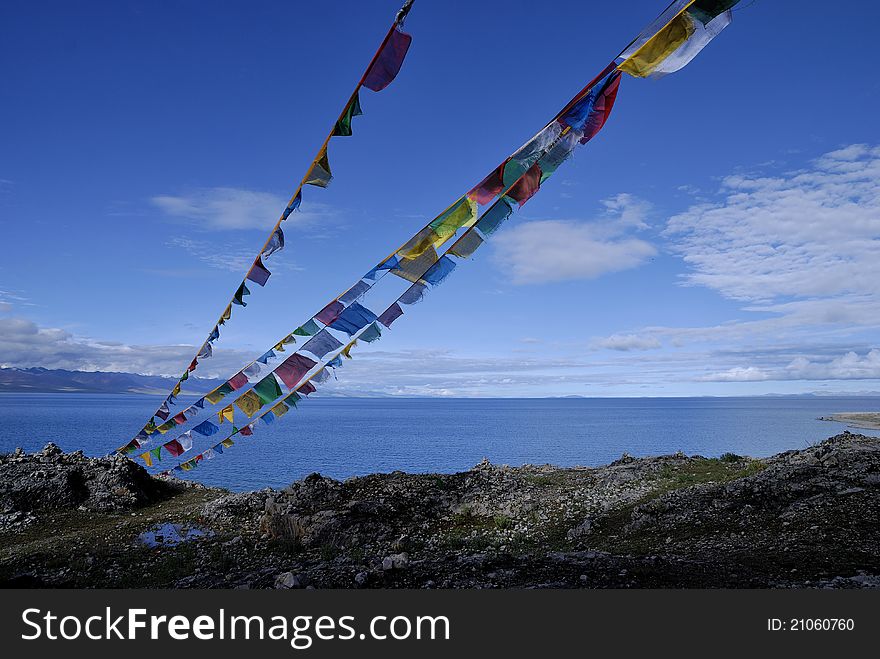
point(346, 437)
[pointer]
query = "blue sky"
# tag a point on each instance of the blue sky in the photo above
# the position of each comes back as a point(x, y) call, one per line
point(719, 237)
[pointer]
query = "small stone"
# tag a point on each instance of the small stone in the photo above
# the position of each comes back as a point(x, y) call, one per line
point(289, 580)
point(395, 561)
point(361, 578)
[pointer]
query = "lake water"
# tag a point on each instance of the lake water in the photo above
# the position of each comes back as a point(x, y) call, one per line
point(352, 436)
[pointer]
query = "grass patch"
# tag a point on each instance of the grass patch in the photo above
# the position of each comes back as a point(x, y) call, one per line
point(705, 470)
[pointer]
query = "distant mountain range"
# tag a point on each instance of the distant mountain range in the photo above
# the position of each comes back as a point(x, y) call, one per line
point(44, 380)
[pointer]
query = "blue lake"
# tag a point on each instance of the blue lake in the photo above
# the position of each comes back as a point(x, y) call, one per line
point(343, 437)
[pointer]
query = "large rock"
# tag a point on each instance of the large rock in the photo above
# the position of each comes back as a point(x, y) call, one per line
point(53, 480)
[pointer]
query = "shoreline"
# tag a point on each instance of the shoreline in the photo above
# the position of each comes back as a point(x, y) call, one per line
point(801, 518)
point(859, 420)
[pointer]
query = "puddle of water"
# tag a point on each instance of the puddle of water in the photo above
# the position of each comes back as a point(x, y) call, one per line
point(169, 535)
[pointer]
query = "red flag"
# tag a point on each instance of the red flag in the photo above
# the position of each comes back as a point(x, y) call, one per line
point(388, 61)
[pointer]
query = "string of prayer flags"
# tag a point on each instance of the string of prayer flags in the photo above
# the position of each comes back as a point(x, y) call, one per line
point(419, 263)
point(382, 69)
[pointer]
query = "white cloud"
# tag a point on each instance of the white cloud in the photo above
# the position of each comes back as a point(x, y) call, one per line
point(849, 366)
point(24, 344)
point(234, 208)
point(628, 210)
point(813, 233)
point(628, 342)
point(737, 374)
point(560, 250)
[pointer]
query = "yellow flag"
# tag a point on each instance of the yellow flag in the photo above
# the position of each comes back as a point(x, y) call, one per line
point(226, 414)
point(346, 351)
point(249, 403)
point(656, 49)
point(176, 390)
point(280, 409)
point(147, 458)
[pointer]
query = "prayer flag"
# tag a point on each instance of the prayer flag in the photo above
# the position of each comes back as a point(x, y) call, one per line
point(258, 273)
point(238, 380)
point(329, 313)
point(292, 206)
point(276, 243)
point(239, 295)
point(173, 447)
point(465, 246)
point(353, 319)
point(309, 329)
point(369, 335)
point(413, 294)
point(249, 402)
point(389, 264)
point(306, 389)
point(280, 409)
point(294, 368)
point(268, 389)
point(391, 314)
point(217, 395)
point(492, 218)
point(206, 428)
point(186, 441)
point(354, 292)
point(320, 174)
point(343, 126)
point(322, 343)
point(388, 61)
point(439, 271)
point(226, 414)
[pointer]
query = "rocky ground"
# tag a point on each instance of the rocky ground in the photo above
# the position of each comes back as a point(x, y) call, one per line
point(801, 518)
